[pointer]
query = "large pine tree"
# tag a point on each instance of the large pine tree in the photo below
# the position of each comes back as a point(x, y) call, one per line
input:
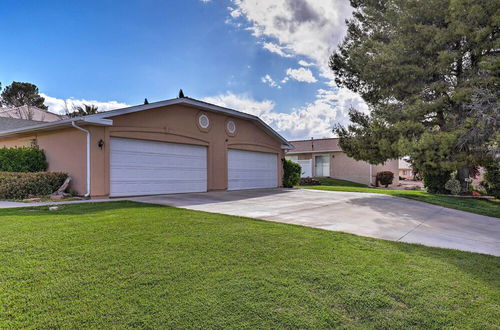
point(429, 71)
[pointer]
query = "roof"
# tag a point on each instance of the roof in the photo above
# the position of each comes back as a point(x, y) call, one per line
point(7, 123)
point(315, 145)
point(102, 118)
point(33, 113)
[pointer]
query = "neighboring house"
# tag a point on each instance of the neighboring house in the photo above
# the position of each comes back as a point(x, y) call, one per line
point(325, 158)
point(405, 170)
point(174, 146)
point(30, 113)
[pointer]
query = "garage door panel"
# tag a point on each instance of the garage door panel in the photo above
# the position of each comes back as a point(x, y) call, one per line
point(251, 170)
point(141, 167)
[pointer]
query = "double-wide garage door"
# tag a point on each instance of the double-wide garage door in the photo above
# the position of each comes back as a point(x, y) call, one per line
point(141, 167)
point(251, 170)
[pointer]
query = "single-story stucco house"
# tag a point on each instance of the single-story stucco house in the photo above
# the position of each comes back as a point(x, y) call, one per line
point(174, 146)
point(30, 113)
point(325, 158)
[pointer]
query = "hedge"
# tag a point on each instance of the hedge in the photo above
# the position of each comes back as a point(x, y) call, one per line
point(18, 185)
point(24, 159)
point(291, 173)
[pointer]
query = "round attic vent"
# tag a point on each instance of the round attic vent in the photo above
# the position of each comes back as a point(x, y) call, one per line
point(231, 127)
point(203, 121)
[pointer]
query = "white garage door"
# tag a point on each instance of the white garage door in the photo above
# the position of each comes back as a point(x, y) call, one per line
point(141, 167)
point(250, 170)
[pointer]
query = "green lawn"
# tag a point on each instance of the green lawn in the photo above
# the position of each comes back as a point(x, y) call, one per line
point(130, 265)
point(479, 206)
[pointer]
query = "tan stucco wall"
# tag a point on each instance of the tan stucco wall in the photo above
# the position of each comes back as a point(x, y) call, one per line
point(64, 150)
point(390, 165)
point(179, 124)
point(346, 168)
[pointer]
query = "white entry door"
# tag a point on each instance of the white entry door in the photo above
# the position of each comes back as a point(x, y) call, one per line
point(142, 167)
point(251, 170)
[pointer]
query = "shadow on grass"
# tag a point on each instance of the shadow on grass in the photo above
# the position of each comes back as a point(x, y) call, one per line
point(483, 267)
point(73, 209)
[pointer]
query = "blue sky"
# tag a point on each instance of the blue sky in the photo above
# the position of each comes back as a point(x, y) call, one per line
point(266, 57)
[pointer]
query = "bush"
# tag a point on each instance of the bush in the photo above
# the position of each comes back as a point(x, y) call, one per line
point(309, 182)
point(385, 178)
point(291, 174)
point(435, 182)
point(23, 159)
point(25, 185)
point(453, 186)
point(491, 182)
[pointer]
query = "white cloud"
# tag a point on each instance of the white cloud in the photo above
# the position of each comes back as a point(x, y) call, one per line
point(310, 28)
point(273, 48)
point(313, 119)
point(60, 106)
point(205, 1)
point(267, 79)
point(242, 103)
point(301, 74)
point(304, 63)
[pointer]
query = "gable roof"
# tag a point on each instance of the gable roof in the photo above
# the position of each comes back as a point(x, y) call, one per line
point(315, 145)
point(102, 118)
point(7, 123)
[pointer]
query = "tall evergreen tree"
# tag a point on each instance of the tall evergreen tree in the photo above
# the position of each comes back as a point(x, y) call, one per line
point(429, 72)
point(20, 94)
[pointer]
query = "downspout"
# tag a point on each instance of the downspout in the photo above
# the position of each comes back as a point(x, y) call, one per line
point(371, 175)
point(87, 194)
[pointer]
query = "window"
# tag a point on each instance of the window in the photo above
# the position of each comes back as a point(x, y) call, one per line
point(203, 121)
point(231, 127)
point(322, 165)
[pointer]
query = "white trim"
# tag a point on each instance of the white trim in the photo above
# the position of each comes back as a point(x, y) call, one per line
point(87, 194)
point(57, 125)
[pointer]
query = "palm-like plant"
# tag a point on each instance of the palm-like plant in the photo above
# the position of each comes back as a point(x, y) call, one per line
point(86, 109)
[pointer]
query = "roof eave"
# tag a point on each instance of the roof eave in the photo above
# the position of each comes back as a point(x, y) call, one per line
point(65, 123)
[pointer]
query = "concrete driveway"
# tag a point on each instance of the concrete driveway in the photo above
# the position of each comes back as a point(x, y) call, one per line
point(364, 214)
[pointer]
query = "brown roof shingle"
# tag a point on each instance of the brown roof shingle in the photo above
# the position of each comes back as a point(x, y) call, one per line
point(315, 145)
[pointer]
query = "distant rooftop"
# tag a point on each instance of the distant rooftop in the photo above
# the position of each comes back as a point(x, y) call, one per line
point(30, 113)
point(315, 145)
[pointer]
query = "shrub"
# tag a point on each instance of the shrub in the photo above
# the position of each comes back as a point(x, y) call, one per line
point(453, 186)
point(491, 182)
point(384, 178)
point(25, 185)
point(25, 159)
point(309, 182)
point(435, 182)
point(291, 174)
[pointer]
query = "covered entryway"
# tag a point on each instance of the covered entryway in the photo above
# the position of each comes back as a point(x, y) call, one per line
point(251, 170)
point(142, 167)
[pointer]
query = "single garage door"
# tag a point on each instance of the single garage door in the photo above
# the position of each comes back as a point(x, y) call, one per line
point(141, 167)
point(251, 170)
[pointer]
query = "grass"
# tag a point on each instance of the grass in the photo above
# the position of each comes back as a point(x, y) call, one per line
point(130, 265)
point(474, 205)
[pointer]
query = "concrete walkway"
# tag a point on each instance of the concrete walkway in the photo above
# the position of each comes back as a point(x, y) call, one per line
point(365, 214)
